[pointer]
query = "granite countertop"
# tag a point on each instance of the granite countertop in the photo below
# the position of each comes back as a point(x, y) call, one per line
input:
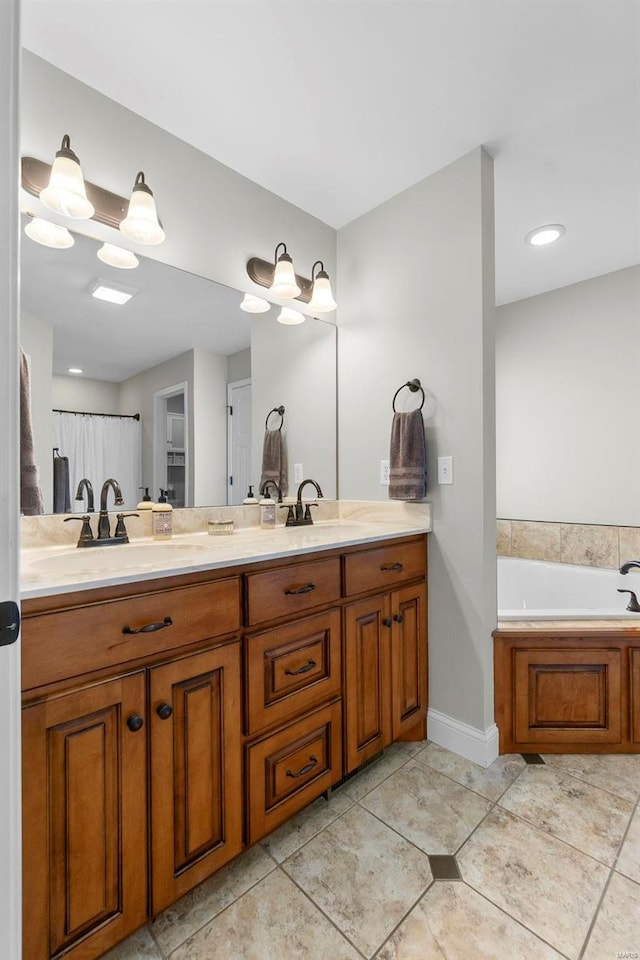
point(63, 569)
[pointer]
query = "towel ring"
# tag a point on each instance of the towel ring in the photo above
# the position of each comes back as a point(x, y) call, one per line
point(280, 411)
point(414, 386)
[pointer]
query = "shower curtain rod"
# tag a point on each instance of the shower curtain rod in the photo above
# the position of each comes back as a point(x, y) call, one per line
point(84, 413)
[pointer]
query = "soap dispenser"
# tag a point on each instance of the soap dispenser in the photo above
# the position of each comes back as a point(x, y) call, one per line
point(146, 503)
point(267, 512)
point(162, 518)
point(250, 498)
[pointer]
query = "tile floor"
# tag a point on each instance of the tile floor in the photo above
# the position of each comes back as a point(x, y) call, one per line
point(549, 857)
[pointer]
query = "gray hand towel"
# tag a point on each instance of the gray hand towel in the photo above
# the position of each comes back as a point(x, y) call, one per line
point(408, 457)
point(31, 502)
point(61, 490)
point(274, 460)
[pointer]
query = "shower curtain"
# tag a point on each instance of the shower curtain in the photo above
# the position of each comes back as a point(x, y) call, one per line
point(100, 447)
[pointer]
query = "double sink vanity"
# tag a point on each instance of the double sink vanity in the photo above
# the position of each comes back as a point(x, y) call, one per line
point(183, 699)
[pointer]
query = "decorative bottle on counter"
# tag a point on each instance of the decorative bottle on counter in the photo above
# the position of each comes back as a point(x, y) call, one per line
point(267, 513)
point(162, 518)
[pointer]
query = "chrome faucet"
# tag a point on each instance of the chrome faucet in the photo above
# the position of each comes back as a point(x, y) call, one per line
point(629, 565)
point(297, 515)
point(104, 531)
point(85, 487)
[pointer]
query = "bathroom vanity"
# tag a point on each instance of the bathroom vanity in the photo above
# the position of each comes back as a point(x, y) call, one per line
point(168, 723)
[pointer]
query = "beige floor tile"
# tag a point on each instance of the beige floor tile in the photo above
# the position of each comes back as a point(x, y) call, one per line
point(546, 885)
point(183, 918)
point(427, 808)
point(616, 933)
point(575, 811)
point(617, 773)
point(453, 922)
point(273, 921)
point(139, 946)
point(370, 777)
point(629, 858)
point(295, 832)
point(411, 748)
point(490, 782)
point(362, 875)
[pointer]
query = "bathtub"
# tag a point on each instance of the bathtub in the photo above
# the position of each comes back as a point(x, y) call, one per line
point(535, 590)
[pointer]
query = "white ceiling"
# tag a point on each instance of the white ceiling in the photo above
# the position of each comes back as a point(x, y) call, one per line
point(337, 105)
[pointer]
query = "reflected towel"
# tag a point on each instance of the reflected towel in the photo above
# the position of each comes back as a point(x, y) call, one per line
point(31, 502)
point(61, 491)
point(408, 457)
point(274, 460)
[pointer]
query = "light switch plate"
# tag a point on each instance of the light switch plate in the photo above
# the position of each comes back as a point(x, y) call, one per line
point(298, 472)
point(445, 469)
point(384, 473)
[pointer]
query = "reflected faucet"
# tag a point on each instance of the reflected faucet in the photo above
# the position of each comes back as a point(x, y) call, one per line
point(103, 517)
point(629, 565)
point(264, 489)
point(85, 487)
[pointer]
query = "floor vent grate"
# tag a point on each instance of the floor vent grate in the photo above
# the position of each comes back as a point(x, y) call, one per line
point(354, 773)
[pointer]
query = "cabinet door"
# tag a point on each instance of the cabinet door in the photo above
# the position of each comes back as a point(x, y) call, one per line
point(367, 657)
point(85, 815)
point(196, 788)
point(408, 658)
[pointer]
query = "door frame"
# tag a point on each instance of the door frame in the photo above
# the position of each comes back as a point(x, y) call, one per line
point(160, 435)
point(246, 382)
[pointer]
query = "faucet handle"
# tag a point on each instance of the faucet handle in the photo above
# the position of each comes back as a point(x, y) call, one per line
point(86, 533)
point(307, 511)
point(290, 515)
point(121, 530)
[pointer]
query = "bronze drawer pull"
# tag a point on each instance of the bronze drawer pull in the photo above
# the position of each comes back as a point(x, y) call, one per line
point(135, 722)
point(164, 711)
point(295, 589)
point(387, 622)
point(398, 617)
point(149, 627)
point(303, 669)
point(391, 566)
point(313, 762)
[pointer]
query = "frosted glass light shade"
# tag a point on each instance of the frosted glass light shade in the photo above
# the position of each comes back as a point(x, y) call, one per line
point(65, 192)
point(117, 257)
point(321, 298)
point(290, 317)
point(252, 304)
point(141, 222)
point(49, 234)
point(284, 284)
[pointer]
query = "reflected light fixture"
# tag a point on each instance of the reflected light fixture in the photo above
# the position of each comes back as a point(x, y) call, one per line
point(321, 297)
point(49, 234)
point(141, 222)
point(290, 317)
point(252, 304)
point(117, 257)
point(284, 284)
point(549, 233)
point(66, 192)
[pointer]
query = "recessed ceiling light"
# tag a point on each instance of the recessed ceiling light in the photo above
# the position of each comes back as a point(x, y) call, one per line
point(111, 292)
point(549, 233)
point(252, 304)
point(74, 370)
point(49, 234)
point(117, 257)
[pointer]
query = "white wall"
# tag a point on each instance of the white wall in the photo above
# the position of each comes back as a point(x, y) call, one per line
point(290, 368)
point(568, 403)
point(239, 365)
point(86, 395)
point(36, 338)
point(209, 428)
point(416, 300)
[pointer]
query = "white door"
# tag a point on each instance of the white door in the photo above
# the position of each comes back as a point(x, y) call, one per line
point(239, 439)
point(10, 819)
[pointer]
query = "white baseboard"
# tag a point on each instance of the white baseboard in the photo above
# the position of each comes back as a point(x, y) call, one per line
point(469, 742)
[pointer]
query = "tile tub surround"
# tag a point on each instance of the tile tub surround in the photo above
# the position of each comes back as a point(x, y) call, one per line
point(360, 887)
point(586, 545)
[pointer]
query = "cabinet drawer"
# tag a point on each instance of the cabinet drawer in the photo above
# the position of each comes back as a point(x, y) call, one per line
point(289, 769)
point(72, 642)
point(292, 590)
point(384, 566)
point(291, 669)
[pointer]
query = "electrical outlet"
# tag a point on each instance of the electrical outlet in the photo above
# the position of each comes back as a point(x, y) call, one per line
point(445, 469)
point(298, 472)
point(384, 473)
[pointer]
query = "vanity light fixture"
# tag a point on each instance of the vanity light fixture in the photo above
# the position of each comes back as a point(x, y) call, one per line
point(49, 234)
point(111, 292)
point(66, 193)
point(290, 317)
point(252, 304)
point(284, 284)
point(321, 297)
point(549, 233)
point(141, 222)
point(117, 257)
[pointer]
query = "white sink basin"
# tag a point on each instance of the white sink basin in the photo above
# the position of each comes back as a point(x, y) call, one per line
point(114, 559)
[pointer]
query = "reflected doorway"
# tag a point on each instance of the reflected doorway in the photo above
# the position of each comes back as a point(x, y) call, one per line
point(238, 440)
point(171, 446)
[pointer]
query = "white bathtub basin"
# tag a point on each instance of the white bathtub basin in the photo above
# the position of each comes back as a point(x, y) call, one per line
point(113, 559)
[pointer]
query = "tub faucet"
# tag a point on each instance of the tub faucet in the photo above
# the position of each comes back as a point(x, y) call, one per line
point(85, 487)
point(103, 517)
point(629, 565)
